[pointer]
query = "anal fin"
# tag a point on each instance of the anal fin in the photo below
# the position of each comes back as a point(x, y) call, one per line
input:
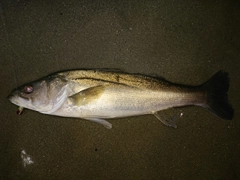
point(166, 121)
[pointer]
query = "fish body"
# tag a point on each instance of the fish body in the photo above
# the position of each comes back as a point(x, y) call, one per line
point(99, 94)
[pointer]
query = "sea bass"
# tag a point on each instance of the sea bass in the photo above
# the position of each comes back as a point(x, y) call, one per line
point(97, 95)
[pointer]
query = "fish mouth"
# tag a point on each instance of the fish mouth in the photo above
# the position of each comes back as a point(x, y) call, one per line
point(15, 99)
point(12, 98)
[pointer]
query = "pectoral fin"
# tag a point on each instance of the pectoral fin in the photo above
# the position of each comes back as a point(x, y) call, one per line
point(101, 121)
point(87, 95)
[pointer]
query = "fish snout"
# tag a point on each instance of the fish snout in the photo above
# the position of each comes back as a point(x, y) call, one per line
point(12, 98)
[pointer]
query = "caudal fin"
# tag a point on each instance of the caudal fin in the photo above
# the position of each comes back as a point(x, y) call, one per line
point(217, 99)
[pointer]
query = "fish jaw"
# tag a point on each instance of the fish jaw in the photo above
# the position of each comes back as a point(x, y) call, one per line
point(17, 101)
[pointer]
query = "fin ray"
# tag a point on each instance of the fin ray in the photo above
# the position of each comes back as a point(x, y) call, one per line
point(168, 122)
point(103, 122)
point(87, 95)
point(217, 98)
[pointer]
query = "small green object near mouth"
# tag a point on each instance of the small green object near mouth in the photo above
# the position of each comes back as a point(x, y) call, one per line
point(20, 110)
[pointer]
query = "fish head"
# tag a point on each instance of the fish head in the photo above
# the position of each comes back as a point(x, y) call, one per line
point(45, 95)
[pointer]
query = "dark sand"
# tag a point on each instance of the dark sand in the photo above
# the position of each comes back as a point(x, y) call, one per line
point(183, 41)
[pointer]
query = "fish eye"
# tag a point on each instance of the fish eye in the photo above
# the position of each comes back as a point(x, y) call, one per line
point(28, 89)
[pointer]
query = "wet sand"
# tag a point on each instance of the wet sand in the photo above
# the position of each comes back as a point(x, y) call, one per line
point(185, 42)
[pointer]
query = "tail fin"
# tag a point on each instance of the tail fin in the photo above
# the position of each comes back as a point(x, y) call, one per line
point(217, 102)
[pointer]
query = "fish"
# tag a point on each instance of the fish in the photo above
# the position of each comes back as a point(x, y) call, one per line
point(100, 94)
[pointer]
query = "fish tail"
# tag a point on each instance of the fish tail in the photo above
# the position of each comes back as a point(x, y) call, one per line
point(217, 99)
